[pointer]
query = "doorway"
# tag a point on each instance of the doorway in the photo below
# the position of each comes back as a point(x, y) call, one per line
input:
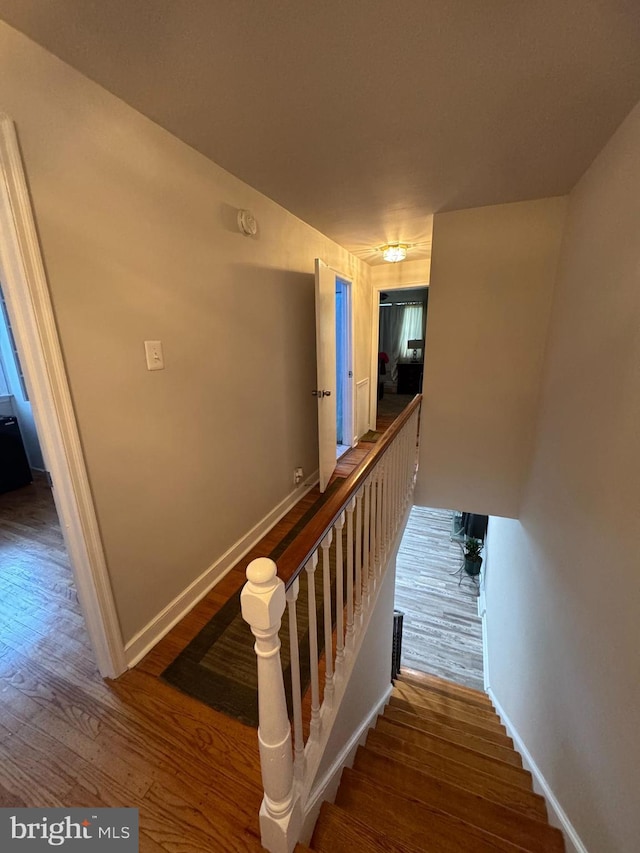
point(344, 371)
point(29, 309)
point(334, 390)
point(401, 319)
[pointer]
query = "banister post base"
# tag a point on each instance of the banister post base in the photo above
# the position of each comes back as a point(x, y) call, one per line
point(280, 834)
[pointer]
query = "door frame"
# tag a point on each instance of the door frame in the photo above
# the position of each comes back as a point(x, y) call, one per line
point(32, 319)
point(377, 289)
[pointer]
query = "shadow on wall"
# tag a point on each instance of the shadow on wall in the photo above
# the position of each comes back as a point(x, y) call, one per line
point(271, 319)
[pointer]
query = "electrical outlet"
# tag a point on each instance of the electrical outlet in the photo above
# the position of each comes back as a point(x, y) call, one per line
point(298, 474)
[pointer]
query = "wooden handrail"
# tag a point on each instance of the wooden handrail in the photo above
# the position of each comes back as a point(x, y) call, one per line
point(294, 558)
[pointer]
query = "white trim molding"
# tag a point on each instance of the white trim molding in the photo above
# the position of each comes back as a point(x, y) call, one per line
point(32, 319)
point(327, 788)
point(161, 624)
point(558, 816)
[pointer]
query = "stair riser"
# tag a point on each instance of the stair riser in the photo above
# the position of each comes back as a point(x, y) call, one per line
point(516, 797)
point(492, 734)
point(444, 688)
point(503, 752)
point(338, 831)
point(507, 772)
point(450, 707)
point(413, 822)
point(438, 774)
point(531, 835)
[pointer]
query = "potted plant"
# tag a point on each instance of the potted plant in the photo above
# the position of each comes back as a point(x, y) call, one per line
point(472, 559)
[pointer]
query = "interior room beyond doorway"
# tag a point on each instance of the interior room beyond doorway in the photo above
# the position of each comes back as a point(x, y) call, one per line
point(344, 372)
point(401, 341)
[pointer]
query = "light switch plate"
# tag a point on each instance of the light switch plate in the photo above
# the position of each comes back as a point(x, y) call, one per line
point(153, 352)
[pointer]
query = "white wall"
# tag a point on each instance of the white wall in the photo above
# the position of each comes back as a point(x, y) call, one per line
point(139, 238)
point(402, 274)
point(492, 277)
point(563, 582)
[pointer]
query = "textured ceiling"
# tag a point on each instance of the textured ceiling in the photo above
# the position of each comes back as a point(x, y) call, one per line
point(361, 117)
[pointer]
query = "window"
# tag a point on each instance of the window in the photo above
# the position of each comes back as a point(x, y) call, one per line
point(14, 349)
point(4, 388)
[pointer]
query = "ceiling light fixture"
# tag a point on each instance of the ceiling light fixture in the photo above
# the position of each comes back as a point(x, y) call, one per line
point(394, 252)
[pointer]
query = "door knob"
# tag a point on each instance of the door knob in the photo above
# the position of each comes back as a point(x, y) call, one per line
point(321, 393)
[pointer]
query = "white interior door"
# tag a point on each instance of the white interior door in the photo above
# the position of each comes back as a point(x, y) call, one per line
point(325, 391)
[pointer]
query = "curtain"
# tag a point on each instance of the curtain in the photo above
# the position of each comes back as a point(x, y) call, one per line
point(412, 327)
point(398, 324)
point(389, 342)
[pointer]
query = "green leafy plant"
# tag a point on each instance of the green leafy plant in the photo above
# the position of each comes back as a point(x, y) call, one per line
point(473, 548)
point(472, 559)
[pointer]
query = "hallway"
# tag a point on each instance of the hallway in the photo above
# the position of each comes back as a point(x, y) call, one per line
point(442, 630)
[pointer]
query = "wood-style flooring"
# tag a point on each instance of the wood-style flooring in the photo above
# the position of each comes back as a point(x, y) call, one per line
point(442, 630)
point(68, 738)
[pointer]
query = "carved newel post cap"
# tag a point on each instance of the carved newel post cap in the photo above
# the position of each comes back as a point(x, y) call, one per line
point(261, 570)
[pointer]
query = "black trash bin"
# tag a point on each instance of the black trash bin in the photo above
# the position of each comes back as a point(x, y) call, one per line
point(14, 466)
point(396, 652)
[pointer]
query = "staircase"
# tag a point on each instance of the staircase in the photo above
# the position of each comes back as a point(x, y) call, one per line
point(438, 773)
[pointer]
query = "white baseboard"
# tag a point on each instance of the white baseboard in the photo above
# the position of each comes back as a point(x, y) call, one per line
point(557, 817)
point(327, 787)
point(485, 651)
point(177, 609)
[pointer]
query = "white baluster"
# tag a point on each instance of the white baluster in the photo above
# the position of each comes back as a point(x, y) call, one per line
point(328, 625)
point(296, 693)
point(350, 555)
point(263, 603)
point(386, 501)
point(310, 569)
point(394, 488)
point(379, 531)
point(373, 535)
point(407, 467)
point(338, 527)
point(398, 471)
point(359, 557)
point(366, 540)
point(383, 507)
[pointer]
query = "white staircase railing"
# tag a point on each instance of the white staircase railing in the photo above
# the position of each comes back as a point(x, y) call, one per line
point(340, 560)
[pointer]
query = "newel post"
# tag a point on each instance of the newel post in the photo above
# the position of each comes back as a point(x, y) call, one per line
point(263, 604)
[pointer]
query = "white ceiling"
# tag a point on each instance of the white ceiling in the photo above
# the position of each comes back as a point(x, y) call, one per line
point(364, 117)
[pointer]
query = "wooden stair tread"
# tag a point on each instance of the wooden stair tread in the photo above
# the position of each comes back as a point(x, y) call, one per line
point(411, 821)
point(533, 835)
point(518, 795)
point(340, 831)
point(454, 751)
point(432, 683)
point(422, 700)
point(438, 773)
point(494, 733)
point(504, 752)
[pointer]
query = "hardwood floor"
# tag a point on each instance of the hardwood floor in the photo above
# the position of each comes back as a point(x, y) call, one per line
point(68, 738)
point(442, 630)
